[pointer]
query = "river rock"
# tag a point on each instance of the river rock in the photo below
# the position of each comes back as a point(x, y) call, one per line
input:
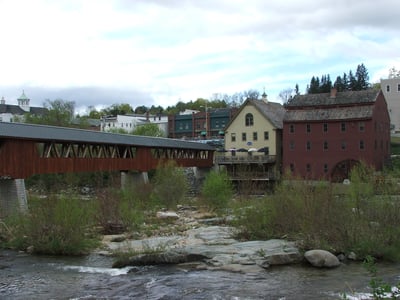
point(321, 258)
point(213, 247)
point(352, 256)
point(167, 215)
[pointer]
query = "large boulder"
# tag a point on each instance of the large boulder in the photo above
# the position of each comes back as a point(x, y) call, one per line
point(321, 258)
point(213, 247)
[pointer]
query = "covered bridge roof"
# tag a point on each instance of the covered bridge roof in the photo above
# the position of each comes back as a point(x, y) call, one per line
point(63, 134)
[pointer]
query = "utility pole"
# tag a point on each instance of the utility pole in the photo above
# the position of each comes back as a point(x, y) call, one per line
point(206, 120)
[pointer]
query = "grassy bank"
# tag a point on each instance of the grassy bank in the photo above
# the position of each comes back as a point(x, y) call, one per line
point(361, 217)
point(62, 221)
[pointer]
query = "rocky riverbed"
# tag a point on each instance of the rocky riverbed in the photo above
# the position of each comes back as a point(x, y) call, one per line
point(202, 243)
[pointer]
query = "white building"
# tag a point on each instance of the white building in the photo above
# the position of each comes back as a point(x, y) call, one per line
point(391, 90)
point(11, 112)
point(131, 121)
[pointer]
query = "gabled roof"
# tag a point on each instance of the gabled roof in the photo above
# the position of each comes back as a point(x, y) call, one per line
point(17, 110)
point(334, 113)
point(324, 107)
point(272, 111)
point(325, 99)
point(11, 109)
point(38, 110)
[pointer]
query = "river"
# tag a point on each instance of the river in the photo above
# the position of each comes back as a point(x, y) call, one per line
point(45, 277)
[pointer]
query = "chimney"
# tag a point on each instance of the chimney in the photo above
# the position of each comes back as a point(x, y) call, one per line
point(333, 92)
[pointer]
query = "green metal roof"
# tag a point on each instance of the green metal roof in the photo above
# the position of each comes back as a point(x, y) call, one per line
point(23, 97)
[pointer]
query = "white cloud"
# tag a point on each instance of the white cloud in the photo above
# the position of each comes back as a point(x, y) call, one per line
point(159, 52)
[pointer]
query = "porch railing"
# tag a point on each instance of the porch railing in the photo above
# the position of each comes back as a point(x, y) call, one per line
point(244, 159)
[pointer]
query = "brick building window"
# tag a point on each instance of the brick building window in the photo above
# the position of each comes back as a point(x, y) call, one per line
point(362, 145)
point(308, 146)
point(308, 128)
point(343, 127)
point(291, 145)
point(343, 145)
point(291, 128)
point(291, 167)
point(325, 127)
point(361, 126)
point(308, 168)
point(326, 168)
point(325, 145)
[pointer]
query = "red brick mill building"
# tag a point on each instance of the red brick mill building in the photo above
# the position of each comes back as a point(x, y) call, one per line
point(324, 135)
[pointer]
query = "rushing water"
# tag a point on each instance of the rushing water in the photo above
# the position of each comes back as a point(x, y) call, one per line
point(43, 277)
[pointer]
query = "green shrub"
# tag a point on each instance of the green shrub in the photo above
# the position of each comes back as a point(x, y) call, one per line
point(254, 219)
point(56, 225)
point(122, 209)
point(217, 190)
point(170, 185)
point(315, 215)
point(132, 205)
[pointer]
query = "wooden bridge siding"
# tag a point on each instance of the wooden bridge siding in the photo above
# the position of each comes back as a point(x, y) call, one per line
point(17, 158)
point(20, 159)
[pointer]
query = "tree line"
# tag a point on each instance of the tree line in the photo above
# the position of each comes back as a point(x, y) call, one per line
point(351, 81)
point(217, 100)
point(62, 113)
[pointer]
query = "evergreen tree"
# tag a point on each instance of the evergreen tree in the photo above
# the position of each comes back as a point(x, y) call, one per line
point(314, 86)
point(352, 82)
point(326, 84)
point(345, 82)
point(339, 84)
point(296, 90)
point(349, 82)
point(362, 78)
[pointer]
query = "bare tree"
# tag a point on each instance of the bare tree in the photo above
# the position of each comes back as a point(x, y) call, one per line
point(286, 95)
point(394, 73)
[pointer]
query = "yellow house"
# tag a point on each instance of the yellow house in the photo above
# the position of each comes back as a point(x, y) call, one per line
point(253, 140)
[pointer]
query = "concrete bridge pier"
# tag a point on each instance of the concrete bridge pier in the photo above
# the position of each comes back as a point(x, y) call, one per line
point(128, 178)
point(12, 197)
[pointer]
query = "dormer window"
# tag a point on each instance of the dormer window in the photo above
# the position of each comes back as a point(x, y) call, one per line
point(249, 121)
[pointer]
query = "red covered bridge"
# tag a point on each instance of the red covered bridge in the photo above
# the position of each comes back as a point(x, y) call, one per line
point(27, 149)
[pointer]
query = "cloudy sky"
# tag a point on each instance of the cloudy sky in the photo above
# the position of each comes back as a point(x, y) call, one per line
point(145, 52)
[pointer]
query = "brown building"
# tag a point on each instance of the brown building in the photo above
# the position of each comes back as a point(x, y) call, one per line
point(324, 135)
